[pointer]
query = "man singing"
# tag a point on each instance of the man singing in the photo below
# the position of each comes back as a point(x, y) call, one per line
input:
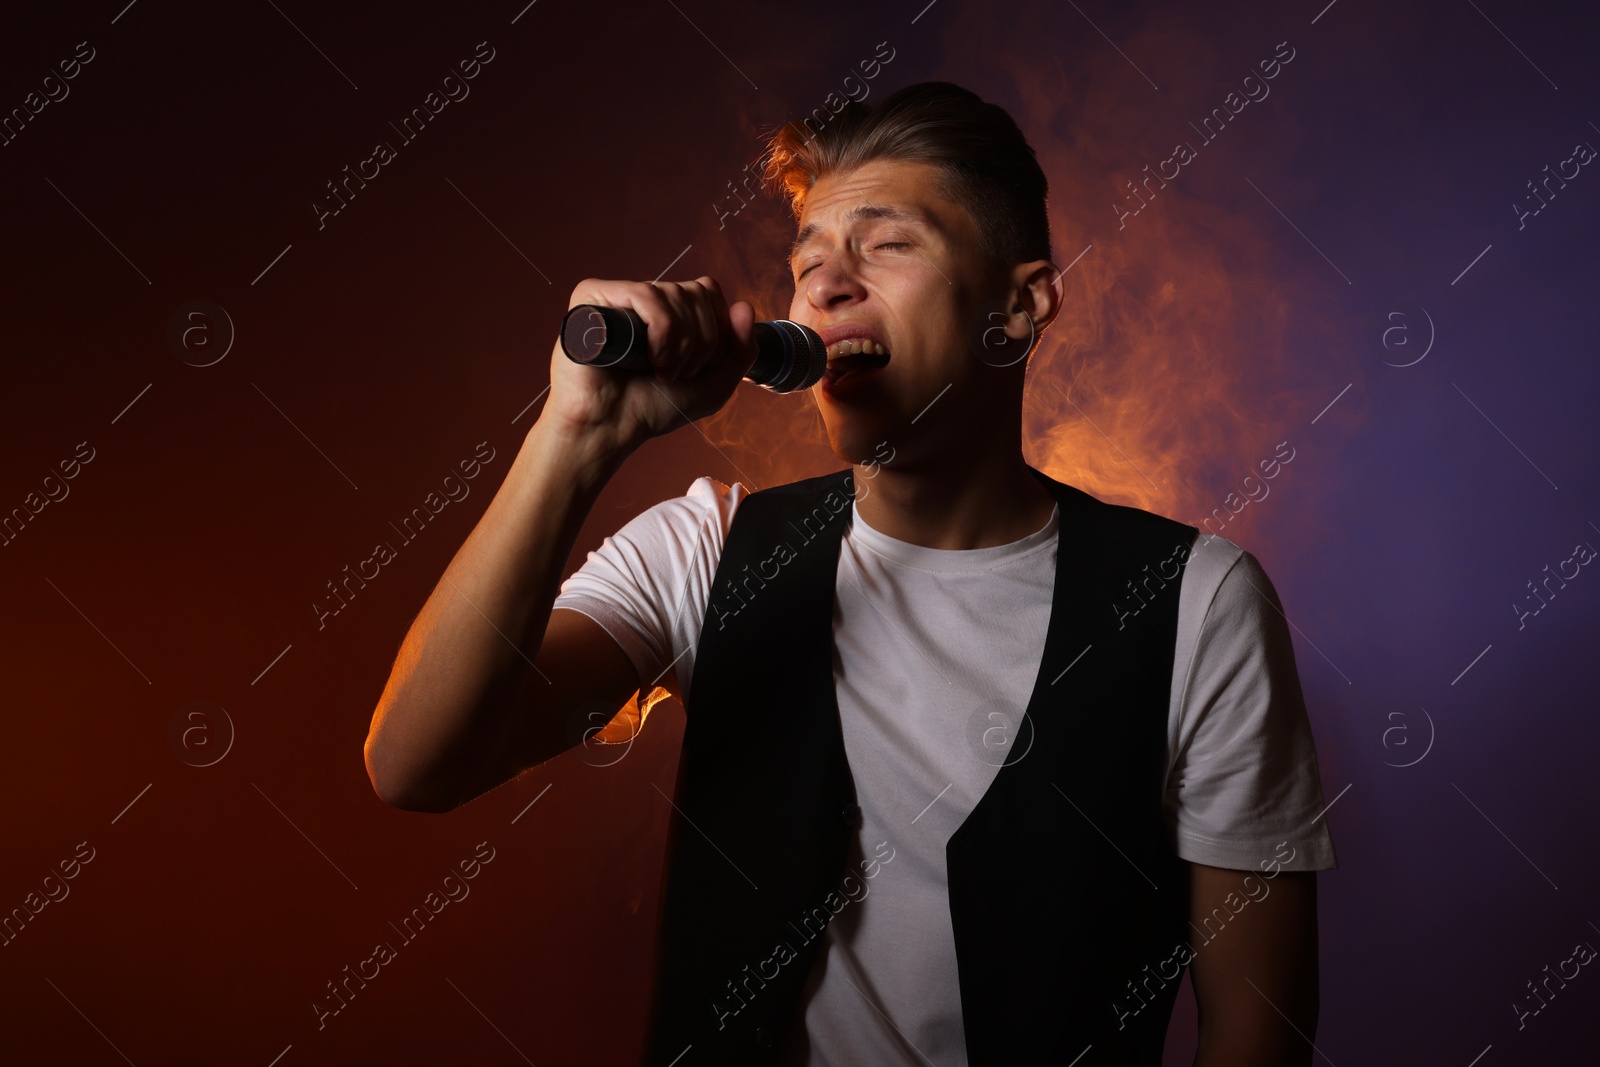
point(975, 765)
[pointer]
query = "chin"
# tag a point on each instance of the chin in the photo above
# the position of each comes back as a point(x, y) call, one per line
point(859, 442)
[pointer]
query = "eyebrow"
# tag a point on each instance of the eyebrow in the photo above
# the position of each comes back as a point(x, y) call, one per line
point(855, 214)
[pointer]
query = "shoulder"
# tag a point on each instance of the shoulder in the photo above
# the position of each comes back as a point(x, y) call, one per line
point(1235, 585)
point(706, 507)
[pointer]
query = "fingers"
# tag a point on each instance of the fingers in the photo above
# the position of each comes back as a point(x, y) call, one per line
point(686, 323)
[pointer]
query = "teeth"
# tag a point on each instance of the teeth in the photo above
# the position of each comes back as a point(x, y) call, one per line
point(856, 346)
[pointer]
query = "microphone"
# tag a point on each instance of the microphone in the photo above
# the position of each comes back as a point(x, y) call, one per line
point(789, 357)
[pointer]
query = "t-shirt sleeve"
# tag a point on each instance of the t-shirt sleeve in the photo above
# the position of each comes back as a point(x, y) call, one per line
point(1245, 777)
point(644, 581)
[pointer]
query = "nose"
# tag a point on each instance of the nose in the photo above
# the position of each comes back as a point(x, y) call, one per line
point(833, 283)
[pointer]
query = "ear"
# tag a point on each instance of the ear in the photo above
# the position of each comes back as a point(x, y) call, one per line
point(1035, 294)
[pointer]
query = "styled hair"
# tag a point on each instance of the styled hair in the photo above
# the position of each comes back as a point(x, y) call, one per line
point(988, 166)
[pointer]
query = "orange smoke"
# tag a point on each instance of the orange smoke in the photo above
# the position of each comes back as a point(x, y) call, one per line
point(1165, 377)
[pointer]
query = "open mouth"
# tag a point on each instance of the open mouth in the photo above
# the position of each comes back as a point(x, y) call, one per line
point(854, 357)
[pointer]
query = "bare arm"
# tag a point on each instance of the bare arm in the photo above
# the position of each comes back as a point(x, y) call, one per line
point(1255, 982)
point(468, 655)
point(487, 680)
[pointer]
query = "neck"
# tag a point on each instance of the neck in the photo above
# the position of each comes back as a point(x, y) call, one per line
point(973, 499)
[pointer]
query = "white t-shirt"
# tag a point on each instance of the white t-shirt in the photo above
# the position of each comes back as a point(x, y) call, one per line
point(925, 720)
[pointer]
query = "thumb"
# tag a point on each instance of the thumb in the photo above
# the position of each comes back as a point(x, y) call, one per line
point(742, 317)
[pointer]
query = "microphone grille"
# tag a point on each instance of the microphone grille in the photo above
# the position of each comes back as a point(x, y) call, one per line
point(805, 357)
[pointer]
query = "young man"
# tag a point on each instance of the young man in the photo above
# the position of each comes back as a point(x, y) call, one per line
point(975, 764)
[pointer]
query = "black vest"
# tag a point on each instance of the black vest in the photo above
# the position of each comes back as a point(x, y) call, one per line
point(1065, 892)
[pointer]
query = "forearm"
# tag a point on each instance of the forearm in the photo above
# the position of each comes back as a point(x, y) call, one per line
point(1256, 988)
point(469, 651)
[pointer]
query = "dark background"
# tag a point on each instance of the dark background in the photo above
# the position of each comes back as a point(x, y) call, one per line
point(1270, 293)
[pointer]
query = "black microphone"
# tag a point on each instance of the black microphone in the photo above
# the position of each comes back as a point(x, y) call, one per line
point(789, 356)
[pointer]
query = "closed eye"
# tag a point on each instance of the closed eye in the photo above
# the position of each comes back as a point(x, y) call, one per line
point(886, 244)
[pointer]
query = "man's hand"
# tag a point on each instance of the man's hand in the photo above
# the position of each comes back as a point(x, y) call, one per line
point(1255, 981)
point(699, 346)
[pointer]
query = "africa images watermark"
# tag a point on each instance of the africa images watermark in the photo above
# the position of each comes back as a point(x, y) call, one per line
point(55, 490)
point(1184, 952)
point(1582, 953)
point(384, 953)
point(836, 501)
point(55, 91)
point(818, 917)
point(13, 923)
point(1185, 153)
point(383, 153)
point(821, 115)
point(411, 526)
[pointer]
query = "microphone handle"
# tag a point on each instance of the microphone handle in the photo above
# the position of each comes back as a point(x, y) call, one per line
point(789, 356)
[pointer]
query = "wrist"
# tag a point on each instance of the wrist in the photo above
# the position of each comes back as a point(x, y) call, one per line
point(587, 454)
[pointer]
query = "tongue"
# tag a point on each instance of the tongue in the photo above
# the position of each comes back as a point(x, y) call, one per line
point(855, 361)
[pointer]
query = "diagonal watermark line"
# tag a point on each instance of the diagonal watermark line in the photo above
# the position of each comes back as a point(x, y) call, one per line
point(1331, 803)
point(1502, 433)
point(101, 232)
point(674, 262)
point(890, 1021)
point(99, 631)
point(302, 433)
point(530, 404)
point(1286, 1019)
point(1332, 402)
point(1301, 232)
point(1480, 1055)
point(124, 11)
point(132, 402)
point(1502, 833)
point(1297, 629)
point(1113, 44)
point(313, 44)
point(932, 802)
point(90, 1021)
point(1102, 833)
point(269, 266)
point(1324, 11)
point(702, 833)
point(132, 802)
point(702, 433)
point(302, 833)
point(497, 629)
point(524, 11)
point(1071, 665)
point(1474, 263)
point(924, 11)
point(532, 802)
point(1513, 44)
point(932, 402)
point(669, 666)
point(280, 1055)
point(713, 44)
point(1469, 666)
point(490, 1021)
point(271, 665)
point(1074, 263)
point(501, 232)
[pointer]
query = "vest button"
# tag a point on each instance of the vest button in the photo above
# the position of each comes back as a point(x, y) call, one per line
point(763, 1037)
point(849, 815)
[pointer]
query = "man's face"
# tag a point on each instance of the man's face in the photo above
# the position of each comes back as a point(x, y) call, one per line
point(881, 252)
